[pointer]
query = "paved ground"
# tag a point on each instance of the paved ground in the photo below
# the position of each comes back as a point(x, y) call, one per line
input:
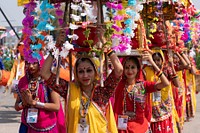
point(10, 119)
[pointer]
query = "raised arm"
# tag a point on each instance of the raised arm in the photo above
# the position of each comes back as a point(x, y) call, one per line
point(118, 68)
point(173, 74)
point(164, 81)
point(183, 63)
point(46, 68)
point(49, 77)
point(190, 65)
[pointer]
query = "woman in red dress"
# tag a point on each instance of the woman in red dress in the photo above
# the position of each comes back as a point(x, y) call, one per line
point(131, 96)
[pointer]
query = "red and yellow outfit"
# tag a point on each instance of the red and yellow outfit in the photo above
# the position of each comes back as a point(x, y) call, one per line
point(161, 121)
point(190, 92)
point(179, 96)
point(164, 114)
point(100, 117)
point(139, 96)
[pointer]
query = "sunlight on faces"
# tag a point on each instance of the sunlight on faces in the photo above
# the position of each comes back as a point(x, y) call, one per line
point(130, 69)
point(85, 73)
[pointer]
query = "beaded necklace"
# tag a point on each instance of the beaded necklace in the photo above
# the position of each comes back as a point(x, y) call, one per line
point(84, 106)
point(33, 87)
point(125, 112)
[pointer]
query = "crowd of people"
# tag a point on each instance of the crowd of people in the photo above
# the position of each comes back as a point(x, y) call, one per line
point(157, 96)
point(153, 91)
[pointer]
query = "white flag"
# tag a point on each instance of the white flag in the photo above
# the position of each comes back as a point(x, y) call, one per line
point(11, 32)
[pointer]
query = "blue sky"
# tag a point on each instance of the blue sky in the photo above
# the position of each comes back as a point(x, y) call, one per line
point(12, 11)
point(15, 15)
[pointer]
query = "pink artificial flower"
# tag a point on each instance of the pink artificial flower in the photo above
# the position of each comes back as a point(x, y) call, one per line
point(117, 28)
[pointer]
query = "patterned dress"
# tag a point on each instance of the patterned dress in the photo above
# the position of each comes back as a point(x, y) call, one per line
point(99, 117)
point(47, 121)
point(136, 102)
point(162, 104)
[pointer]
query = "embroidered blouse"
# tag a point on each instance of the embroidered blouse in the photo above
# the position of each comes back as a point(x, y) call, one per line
point(101, 94)
point(136, 102)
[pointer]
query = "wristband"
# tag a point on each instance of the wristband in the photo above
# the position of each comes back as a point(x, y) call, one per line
point(110, 52)
point(174, 77)
point(40, 105)
point(160, 74)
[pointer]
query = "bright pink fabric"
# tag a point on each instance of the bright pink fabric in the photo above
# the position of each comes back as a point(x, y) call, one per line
point(45, 118)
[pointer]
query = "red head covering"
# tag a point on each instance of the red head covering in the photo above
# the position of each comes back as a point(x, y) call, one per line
point(136, 60)
point(118, 104)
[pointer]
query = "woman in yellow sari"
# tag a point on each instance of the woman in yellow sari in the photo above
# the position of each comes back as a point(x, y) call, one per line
point(88, 109)
point(163, 109)
point(190, 86)
point(179, 92)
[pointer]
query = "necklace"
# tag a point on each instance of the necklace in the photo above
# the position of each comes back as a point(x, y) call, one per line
point(84, 105)
point(33, 87)
point(131, 95)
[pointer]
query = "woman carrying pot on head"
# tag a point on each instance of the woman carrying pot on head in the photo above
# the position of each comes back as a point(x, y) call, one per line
point(164, 115)
point(131, 95)
point(88, 109)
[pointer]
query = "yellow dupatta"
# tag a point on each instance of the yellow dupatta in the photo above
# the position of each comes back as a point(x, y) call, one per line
point(182, 87)
point(98, 122)
point(166, 94)
point(190, 80)
point(167, 100)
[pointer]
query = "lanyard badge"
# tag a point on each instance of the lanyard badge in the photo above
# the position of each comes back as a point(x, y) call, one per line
point(32, 115)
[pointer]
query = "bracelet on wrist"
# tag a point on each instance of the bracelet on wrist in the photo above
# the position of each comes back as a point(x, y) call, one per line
point(174, 77)
point(110, 52)
point(40, 105)
point(158, 73)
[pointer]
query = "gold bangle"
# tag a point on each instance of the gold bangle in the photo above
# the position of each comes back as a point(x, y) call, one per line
point(160, 74)
point(174, 77)
point(110, 52)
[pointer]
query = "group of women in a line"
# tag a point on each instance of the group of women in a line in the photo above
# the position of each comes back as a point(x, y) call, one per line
point(143, 98)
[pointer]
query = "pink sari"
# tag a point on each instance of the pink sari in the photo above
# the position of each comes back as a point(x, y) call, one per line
point(48, 121)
